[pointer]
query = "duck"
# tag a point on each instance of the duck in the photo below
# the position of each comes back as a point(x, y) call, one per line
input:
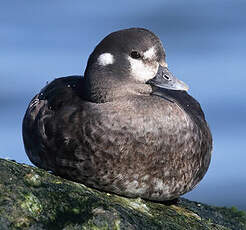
point(127, 127)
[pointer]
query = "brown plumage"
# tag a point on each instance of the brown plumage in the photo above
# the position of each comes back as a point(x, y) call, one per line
point(116, 132)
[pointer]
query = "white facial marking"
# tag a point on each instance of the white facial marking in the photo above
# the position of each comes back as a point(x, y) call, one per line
point(142, 71)
point(165, 65)
point(150, 53)
point(105, 59)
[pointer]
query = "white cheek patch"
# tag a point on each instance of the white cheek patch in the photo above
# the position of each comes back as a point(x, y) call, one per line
point(150, 53)
point(142, 71)
point(164, 64)
point(105, 59)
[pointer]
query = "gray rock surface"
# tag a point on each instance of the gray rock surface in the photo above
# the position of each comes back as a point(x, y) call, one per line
point(31, 198)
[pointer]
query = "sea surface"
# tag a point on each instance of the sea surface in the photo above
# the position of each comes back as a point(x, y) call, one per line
point(205, 45)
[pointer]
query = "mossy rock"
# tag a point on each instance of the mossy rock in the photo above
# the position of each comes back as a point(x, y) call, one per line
point(31, 198)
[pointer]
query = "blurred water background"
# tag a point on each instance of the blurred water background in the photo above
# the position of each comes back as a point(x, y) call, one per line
point(205, 43)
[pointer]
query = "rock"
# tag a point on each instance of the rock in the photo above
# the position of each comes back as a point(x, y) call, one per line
point(31, 198)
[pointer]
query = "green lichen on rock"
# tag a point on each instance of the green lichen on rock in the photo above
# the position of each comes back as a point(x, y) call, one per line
point(31, 198)
point(31, 204)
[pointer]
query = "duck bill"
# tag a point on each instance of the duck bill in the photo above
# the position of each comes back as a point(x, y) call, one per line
point(165, 79)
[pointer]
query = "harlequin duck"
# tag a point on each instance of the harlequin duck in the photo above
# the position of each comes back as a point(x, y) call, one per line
point(127, 127)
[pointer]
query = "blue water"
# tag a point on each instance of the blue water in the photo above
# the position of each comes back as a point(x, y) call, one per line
point(205, 45)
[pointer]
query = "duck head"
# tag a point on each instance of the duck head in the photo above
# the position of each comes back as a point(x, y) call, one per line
point(129, 61)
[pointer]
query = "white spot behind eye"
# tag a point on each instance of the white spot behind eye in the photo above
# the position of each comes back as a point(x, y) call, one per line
point(150, 53)
point(105, 59)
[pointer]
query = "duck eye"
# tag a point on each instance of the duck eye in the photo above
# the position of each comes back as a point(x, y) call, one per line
point(135, 54)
